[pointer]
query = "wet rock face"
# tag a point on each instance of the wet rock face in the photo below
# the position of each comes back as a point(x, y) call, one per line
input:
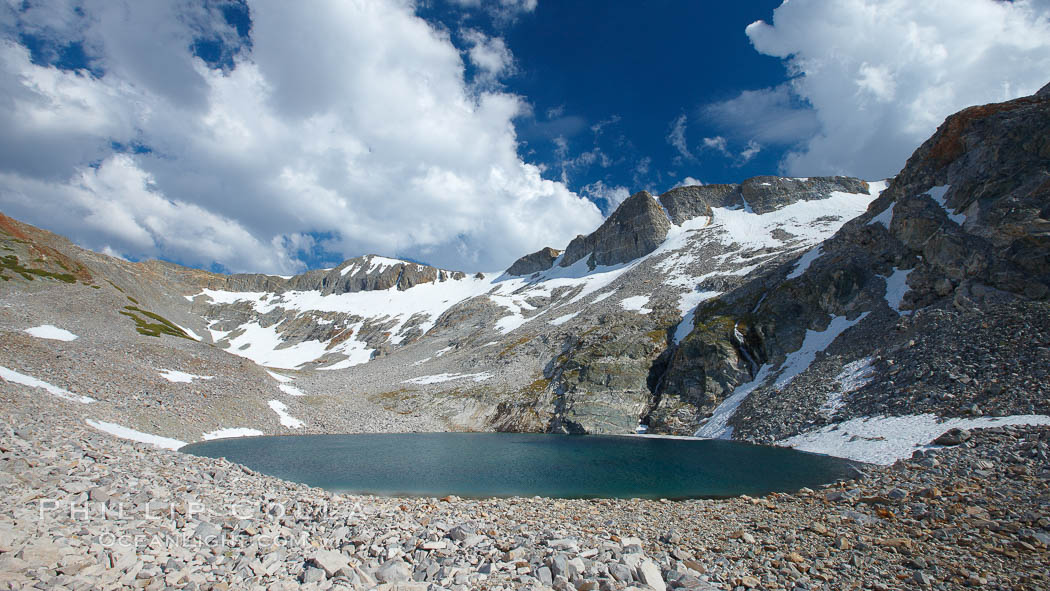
point(536, 262)
point(602, 380)
point(634, 230)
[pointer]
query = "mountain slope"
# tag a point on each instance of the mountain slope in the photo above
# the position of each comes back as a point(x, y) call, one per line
point(814, 312)
point(936, 291)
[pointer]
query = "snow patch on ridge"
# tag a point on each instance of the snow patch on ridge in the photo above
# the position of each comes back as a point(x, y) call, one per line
point(938, 195)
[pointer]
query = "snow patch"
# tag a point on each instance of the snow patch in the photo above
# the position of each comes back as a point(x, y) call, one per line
point(174, 375)
point(602, 297)
point(47, 331)
point(853, 377)
point(796, 362)
point(896, 287)
point(260, 344)
point(815, 342)
point(218, 335)
point(448, 377)
point(805, 261)
point(279, 377)
point(884, 440)
point(231, 432)
point(938, 195)
point(717, 426)
point(189, 332)
point(19, 378)
point(133, 435)
point(636, 304)
point(287, 420)
point(684, 327)
point(290, 390)
point(560, 320)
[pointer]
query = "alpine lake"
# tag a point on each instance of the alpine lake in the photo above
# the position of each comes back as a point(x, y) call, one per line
point(512, 464)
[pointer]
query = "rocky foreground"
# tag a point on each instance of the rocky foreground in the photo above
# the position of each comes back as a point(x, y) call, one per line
point(85, 510)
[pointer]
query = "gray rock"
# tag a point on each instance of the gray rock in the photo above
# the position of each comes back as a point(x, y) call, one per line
point(649, 574)
point(393, 571)
point(953, 436)
point(559, 565)
point(637, 227)
point(621, 572)
point(331, 562)
point(536, 262)
point(313, 575)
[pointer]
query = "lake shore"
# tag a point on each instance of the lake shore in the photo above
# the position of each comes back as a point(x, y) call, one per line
point(89, 510)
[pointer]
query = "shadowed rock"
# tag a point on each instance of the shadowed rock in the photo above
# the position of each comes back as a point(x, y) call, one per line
point(635, 229)
point(541, 260)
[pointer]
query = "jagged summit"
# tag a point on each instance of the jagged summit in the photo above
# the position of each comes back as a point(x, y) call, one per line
point(640, 224)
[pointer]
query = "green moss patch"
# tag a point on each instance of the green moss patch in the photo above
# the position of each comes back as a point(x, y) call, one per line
point(10, 262)
point(152, 329)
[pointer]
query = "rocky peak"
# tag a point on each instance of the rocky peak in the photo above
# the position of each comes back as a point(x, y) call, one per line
point(366, 273)
point(971, 205)
point(541, 260)
point(685, 203)
point(637, 227)
point(762, 194)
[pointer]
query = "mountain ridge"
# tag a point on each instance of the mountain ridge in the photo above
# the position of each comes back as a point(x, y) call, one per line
point(725, 310)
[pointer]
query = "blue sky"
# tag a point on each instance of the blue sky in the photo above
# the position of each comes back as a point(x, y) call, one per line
point(256, 135)
point(616, 76)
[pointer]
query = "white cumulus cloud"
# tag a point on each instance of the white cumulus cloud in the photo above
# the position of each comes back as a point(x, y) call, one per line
point(880, 75)
point(348, 127)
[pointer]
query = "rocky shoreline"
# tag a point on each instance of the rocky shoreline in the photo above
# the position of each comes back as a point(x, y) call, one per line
point(90, 511)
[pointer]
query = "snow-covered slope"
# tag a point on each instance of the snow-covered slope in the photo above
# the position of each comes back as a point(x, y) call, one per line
point(698, 259)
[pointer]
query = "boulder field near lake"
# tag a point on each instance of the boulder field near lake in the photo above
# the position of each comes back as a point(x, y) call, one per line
point(903, 323)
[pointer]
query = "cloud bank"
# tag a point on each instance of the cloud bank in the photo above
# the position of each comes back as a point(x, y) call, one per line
point(342, 130)
point(878, 76)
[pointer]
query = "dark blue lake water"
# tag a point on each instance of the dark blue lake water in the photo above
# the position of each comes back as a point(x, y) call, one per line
point(512, 464)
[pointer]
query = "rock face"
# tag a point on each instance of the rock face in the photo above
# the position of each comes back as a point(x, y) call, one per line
point(367, 273)
point(962, 229)
point(686, 203)
point(541, 260)
point(635, 229)
point(762, 194)
point(602, 379)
